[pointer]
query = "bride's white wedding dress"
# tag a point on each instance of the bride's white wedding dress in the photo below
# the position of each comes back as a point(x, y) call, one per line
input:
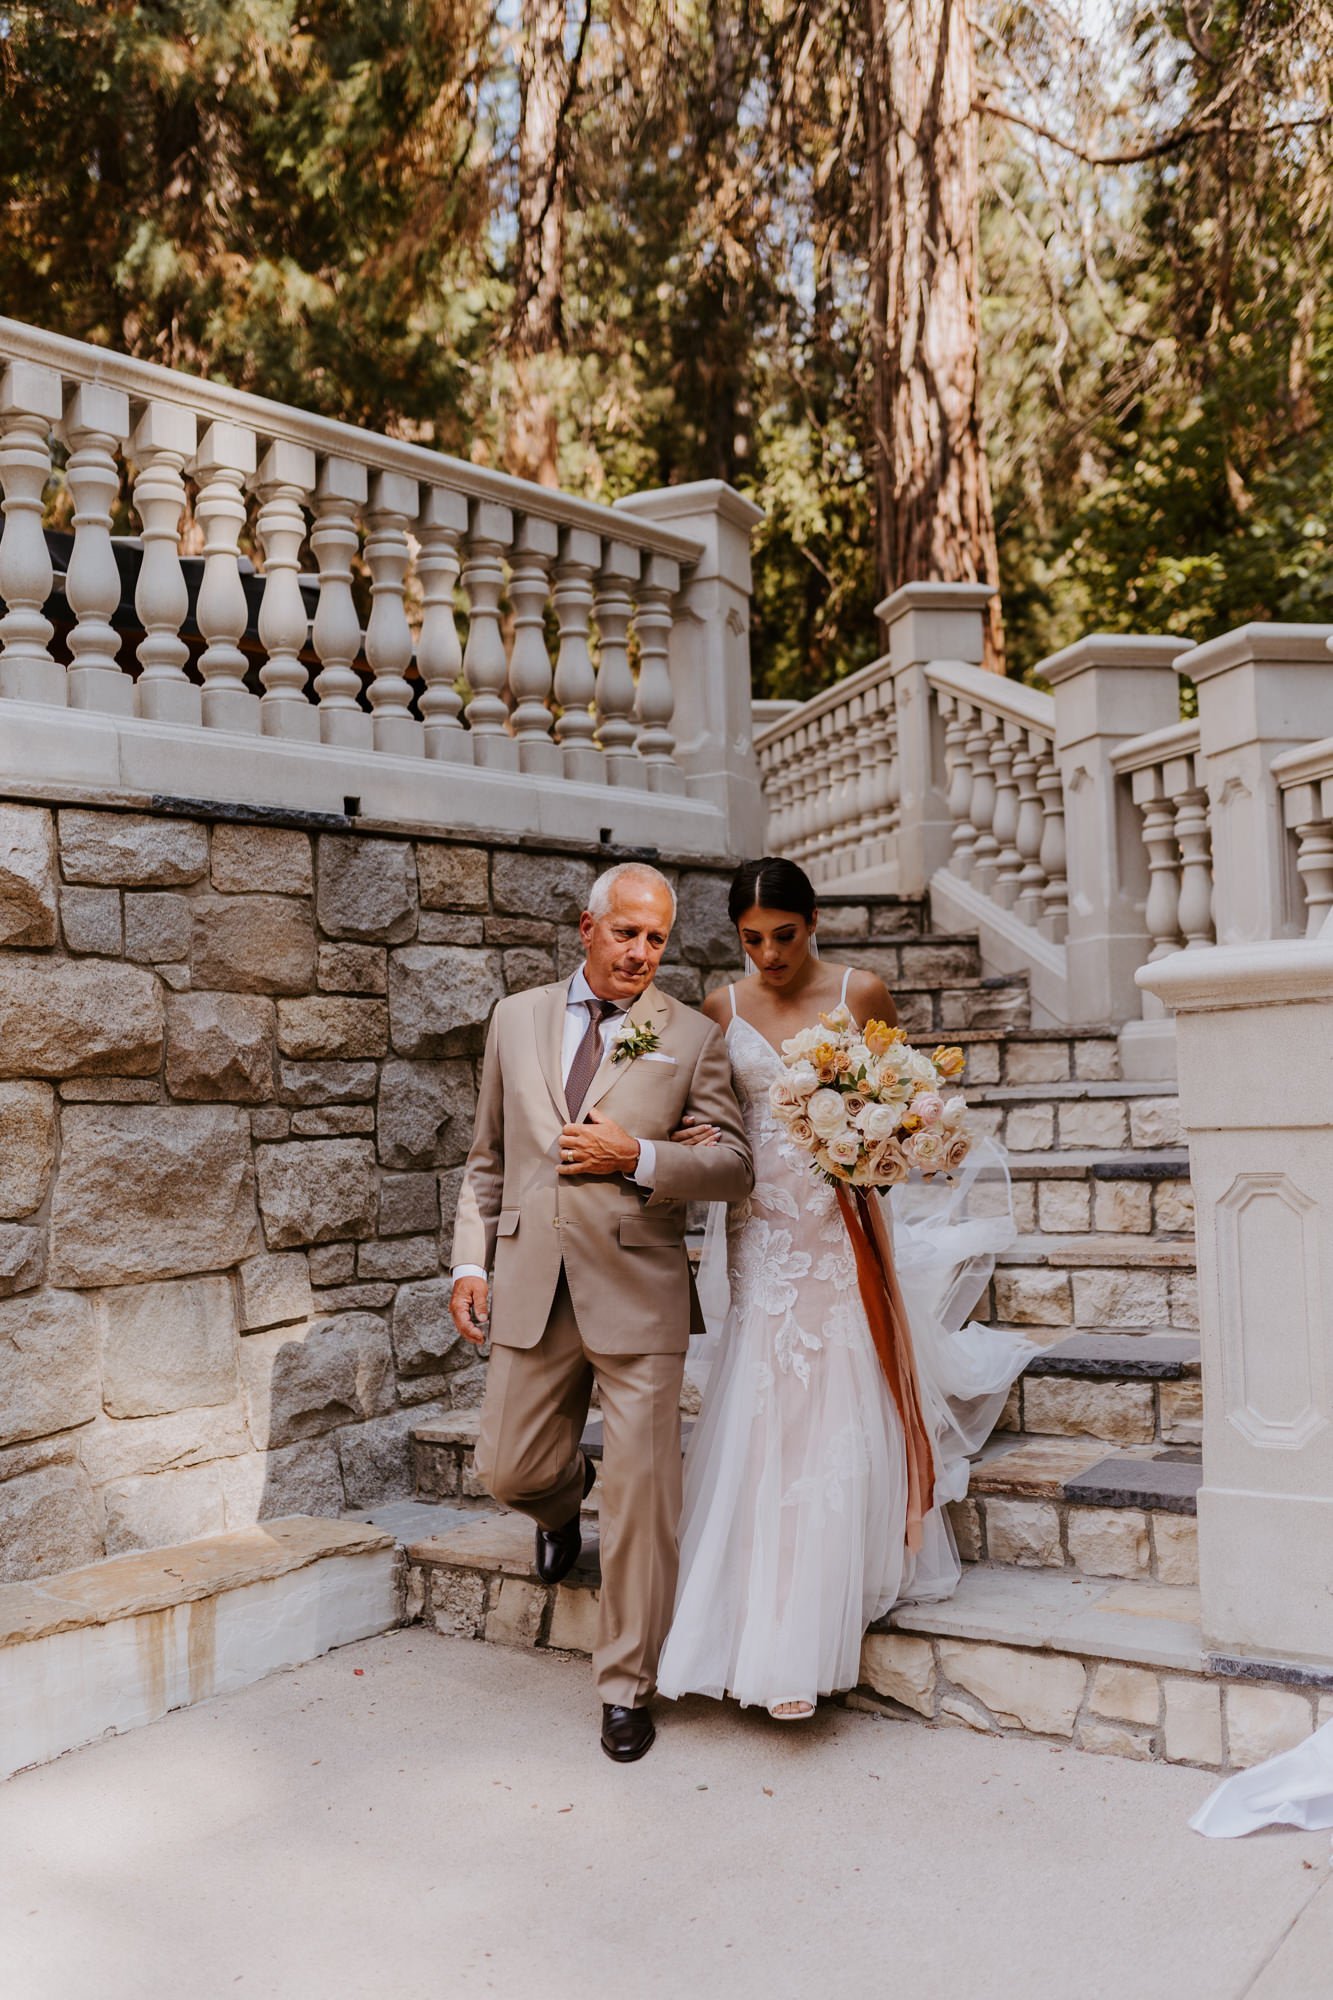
point(792, 1534)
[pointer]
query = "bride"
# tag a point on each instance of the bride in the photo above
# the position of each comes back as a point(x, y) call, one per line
point(794, 1530)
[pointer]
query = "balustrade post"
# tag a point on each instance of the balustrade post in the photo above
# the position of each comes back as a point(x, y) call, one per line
point(29, 407)
point(1314, 864)
point(709, 654)
point(575, 682)
point(981, 811)
point(164, 439)
point(394, 501)
point(1052, 854)
point(1004, 825)
point(340, 494)
point(1262, 689)
point(958, 765)
point(225, 459)
point(441, 527)
point(97, 420)
point(614, 607)
point(1028, 832)
point(1107, 687)
point(530, 677)
point(925, 622)
point(491, 529)
point(1196, 871)
point(657, 691)
point(283, 483)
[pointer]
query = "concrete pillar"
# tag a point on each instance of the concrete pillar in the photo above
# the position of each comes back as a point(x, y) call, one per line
point(1254, 1032)
point(925, 622)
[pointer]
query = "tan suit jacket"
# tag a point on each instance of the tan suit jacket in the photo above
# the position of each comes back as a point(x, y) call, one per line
point(622, 1248)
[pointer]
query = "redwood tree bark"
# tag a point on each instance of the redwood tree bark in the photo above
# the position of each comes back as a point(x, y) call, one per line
point(934, 517)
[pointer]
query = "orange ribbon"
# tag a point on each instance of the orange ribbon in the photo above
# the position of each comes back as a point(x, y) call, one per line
point(883, 1302)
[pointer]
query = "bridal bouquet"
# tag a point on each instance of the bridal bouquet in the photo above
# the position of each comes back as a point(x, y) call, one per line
point(866, 1106)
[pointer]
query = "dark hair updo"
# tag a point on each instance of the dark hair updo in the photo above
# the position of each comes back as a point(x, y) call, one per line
point(771, 884)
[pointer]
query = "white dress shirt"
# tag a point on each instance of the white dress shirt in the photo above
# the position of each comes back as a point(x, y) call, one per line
point(576, 1027)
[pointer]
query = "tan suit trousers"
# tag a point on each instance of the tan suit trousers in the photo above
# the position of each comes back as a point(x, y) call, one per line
point(528, 1456)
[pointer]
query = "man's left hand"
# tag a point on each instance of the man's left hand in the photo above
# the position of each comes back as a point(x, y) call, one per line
point(598, 1146)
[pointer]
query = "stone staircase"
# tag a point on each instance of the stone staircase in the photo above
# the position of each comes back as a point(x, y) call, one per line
point(1077, 1615)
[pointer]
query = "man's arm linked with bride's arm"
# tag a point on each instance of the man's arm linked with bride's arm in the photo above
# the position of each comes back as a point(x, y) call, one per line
point(479, 1201)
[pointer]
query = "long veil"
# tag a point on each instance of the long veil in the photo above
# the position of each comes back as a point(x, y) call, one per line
point(946, 1236)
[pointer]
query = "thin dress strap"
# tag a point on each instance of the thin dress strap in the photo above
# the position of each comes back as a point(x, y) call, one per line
point(731, 994)
point(842, 997)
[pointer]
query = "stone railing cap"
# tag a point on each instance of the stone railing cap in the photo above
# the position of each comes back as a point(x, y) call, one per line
point(934, 597)
point(1287, 645)
point(699, 496)
point(1111, 649)
point(1218, 977)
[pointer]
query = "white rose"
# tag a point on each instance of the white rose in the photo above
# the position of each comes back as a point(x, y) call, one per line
point(825, 1112)
point(954, 1112)
point(927, 1149)
point(844, 1148)
point(802, 1079)
point(880, 1122)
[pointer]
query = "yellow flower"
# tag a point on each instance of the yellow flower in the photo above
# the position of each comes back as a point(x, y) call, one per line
point(949, 1061)
point(910, 1122)
point(879, 1037)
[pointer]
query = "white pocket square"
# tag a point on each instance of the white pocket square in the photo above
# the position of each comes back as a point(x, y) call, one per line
point(656, 1055)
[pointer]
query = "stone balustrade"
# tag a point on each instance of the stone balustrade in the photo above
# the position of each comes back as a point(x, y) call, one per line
point(1305, 780)
point(322, 614)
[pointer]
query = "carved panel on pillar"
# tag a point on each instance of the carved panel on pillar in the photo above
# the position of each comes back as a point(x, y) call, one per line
point(1274, 1385)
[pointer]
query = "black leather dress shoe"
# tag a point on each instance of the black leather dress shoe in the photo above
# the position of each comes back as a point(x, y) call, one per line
point(627, 1733)
point(558, 1548)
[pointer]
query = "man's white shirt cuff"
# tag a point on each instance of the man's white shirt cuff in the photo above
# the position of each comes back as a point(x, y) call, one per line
point(467, 1271)
point(645, 1173)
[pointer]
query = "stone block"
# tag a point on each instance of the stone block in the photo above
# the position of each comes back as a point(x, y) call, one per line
point(270, 1122)
point(327, 1082)
point(22, 1258)
point(1096, 1062)
point(163, 1507)
point(131, 850)
point(705, 934)
point(303, 1381)
point(440, 927)
point(1111, 1739)
point(376, 1458)
point(273, 1289)
point(1126, 1694)
point(303, 1478)
point(1024, 1532)
point(574, 1618)
point(1068, 1406)
point(965, 1520)
point(356, 1298)
point(128, 1448)
point(168, 1347)
point(682, 982)
point(1099, 1124)
point(453, 878)
point(1155, 1121)
point(425, 1339)
point(1121, 1207)
point(333, 1121)
point(450, 1185)
point(1036, 1297)
point(929, 963)
point(220, 1046)
point(332, 1263)
point(1120, 1298)
point(1176, 1545)
point(27, 1146)
point(151, 1191)
point(263, 859)
point(1173, 1208)
point(841, 923)
point(1193, 1732)
point(960, 1708)
point(353, 968)
point(316, 1190)
point(367, 888)
point(1036, 1062)
point(1109, 1541)
point(409, 1203)
point(325, 1027)
point(1024, 1195)
point(49, 1378)
point(90, 920)
point(158, 926)
point(526, 967)
point(1261, 1721)
point(252, 944)
point(111, 1090)
point(1064, 1208)
point(1181, 1406)
point(425, 1113)
point(403, 1257)
point(551, 887)
point(440, 998)
point(983, 1063)
point(1011, 1416)
point(1184, 1291)
point(515, 931)
point(27, 876)
point(49, 1521)
point(901, 1668)
point(983, 1007)
point(458, 1603)
point(516, 1612)
point(77, 1017)
point(1030, 1128)
point(1023, 1690)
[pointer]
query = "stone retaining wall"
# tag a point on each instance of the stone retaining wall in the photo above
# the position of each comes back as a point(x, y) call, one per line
point(237, 1074)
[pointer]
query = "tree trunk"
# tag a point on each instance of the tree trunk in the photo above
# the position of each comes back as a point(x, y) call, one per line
point(934, 518)
point(547, 77)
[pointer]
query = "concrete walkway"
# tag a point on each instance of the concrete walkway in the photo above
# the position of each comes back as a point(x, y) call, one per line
point(416, 1818)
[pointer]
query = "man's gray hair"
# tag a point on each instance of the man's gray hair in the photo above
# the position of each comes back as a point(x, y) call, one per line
point(604, 888)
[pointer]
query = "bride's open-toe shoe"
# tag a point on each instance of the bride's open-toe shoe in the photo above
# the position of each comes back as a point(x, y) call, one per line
point(791, 1711)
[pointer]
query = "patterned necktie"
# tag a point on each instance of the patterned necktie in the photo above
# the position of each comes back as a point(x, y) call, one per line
point(587, 1056)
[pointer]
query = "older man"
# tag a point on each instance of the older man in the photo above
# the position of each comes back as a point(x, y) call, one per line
point(576, 1193)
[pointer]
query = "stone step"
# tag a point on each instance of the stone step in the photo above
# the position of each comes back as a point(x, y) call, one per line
point(1077, 1116)
point(100, 1650)
point(945, 1011)
point(1028, 1056)
point(1062, 1502)
point(852, 917)
point(1134, 1194)
point(1112, 1282)
point(1103, 1664)
point(1124, 1388)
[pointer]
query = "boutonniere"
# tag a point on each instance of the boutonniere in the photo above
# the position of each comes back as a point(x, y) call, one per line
point(631, 1041)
